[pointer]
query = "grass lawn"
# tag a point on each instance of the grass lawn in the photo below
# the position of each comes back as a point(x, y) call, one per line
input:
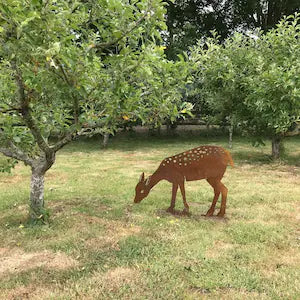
point(99, 245)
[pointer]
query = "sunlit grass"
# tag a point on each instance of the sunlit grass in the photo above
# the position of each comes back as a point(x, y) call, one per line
point(126, 251)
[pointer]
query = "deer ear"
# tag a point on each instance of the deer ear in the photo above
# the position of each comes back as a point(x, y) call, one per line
point(148, 180)
point(142, 178)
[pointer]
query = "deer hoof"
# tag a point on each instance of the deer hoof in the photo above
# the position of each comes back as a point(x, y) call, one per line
point(170, 210)
point(220, 214)
point(185, 211)
point(209, 214)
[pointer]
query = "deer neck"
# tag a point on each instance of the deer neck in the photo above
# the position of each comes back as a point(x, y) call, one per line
point(155, 178)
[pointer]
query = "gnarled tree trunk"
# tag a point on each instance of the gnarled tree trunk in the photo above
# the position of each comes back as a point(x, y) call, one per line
point(39, 168)
point(36, 195)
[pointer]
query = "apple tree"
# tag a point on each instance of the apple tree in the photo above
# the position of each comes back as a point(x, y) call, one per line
point(69, 68)
point(253, 80)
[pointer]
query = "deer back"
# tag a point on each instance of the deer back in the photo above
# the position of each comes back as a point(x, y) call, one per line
point(198, 163)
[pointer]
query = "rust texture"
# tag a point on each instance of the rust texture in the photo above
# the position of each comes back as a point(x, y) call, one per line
point(203, 162)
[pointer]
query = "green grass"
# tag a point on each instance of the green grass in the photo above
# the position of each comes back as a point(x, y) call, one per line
point(119, 250)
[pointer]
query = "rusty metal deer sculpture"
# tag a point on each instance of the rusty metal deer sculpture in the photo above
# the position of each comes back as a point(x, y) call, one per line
point(204, 162)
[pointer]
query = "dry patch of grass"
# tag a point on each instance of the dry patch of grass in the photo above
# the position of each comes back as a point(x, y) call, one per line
point(115, 278)
point(13, 179)
point(113, 233)
point(281, 258)
point(16, 260)
point(218, 249)
point(223, 294)
point(25, 292)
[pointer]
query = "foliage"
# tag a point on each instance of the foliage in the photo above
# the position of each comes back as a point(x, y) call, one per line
point(191, 20)
point(7, 164)
point(253, 79)
point(80, 67)
point(66, 80)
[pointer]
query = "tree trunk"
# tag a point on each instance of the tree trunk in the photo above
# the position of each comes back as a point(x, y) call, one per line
point(154, 131)
point(276, 146)
point(39, 168)
point(105, 140)
point(230, 136)
point(171, 128)
point(37, 195)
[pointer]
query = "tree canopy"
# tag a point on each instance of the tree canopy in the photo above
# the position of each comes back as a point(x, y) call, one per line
point(190, 20)
point(69, 68)
point(253, 79)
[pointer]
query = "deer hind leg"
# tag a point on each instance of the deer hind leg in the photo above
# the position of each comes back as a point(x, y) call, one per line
point(186, 206)
point(174, 192)
point(215, 183)
point(224, 191)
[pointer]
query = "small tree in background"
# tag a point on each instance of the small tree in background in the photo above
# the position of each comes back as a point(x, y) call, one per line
point(219, 71)
point(71, 68)
point(254, 80)
point(273, 89)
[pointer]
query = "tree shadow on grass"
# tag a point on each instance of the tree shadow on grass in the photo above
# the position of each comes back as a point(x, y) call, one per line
point(243, 151)
point(140, 142)
point(250, 157)
point(261, 158)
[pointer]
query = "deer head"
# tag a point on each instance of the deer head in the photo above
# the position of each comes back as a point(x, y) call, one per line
point(142, 189)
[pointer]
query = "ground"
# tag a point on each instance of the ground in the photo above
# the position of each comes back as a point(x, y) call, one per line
point(99, 245)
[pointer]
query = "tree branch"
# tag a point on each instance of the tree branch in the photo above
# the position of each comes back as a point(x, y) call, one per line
point(65, 76)
point(106, 45)
point(71, 84)
point(3, 111)
point(26, 111)
point(65, 140)
point(16, 153)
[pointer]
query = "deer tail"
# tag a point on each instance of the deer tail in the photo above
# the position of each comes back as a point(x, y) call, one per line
point(231, 163)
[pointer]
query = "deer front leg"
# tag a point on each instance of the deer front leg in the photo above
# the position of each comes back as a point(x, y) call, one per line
point(186, 206)
point(174, 192)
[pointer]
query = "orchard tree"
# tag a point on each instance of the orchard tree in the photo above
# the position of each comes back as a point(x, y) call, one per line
point(69, 68)
point(253, 80)
point(219, 72)
point(273, 89)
